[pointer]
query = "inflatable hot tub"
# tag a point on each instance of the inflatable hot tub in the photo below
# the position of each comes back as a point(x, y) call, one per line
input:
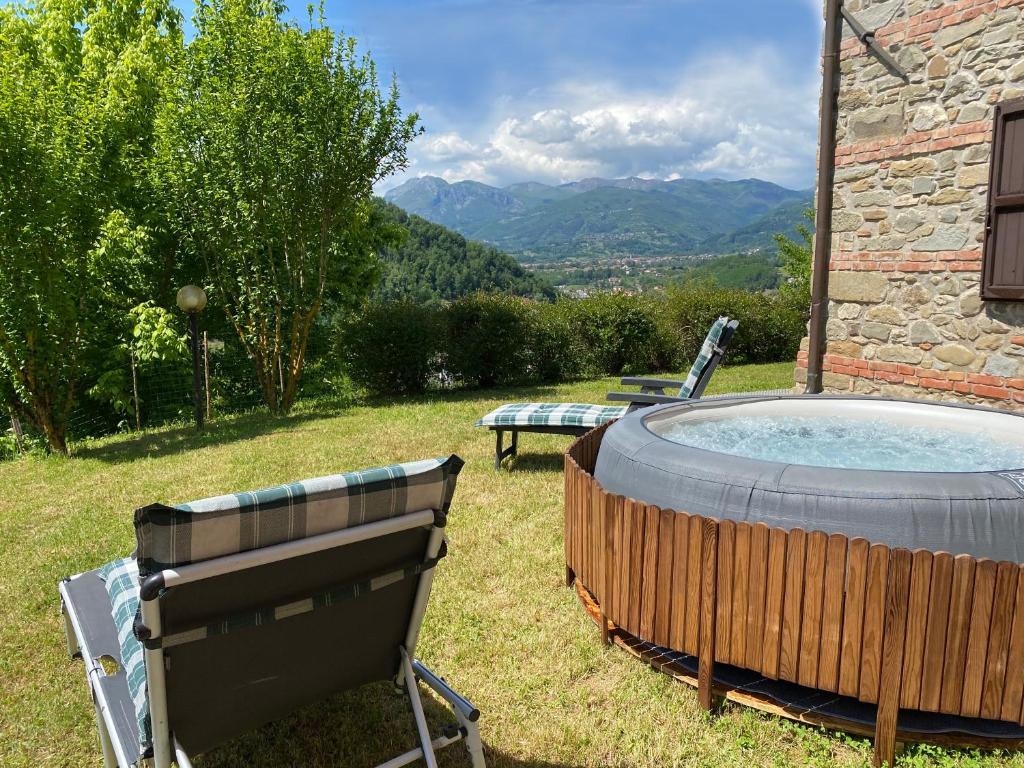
point(901, 473)
point(854, 563)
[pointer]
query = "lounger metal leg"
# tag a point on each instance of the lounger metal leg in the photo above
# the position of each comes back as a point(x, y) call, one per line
point(417, 712)
point(474, 745)
point(410, 757)
point(500, 452)
point(106, 745)
point(157, 688)
point(464, 710)
point(74, 650)
point(180, 756)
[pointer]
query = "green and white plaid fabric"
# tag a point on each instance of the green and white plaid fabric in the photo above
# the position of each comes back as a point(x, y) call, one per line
point(121, 579)
point(707, 352)
point(551, 415)
point(169, 537)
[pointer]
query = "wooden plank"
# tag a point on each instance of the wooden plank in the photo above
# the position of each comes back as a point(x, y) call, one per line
point(792, 607)
point(608, 511)
point(636, 565)
point(774, 593)
point(894, 638)
point(693, 584)
point(935, 637)
point(585, 529)
point(723, 614)
point(814, 590)
point(596, 580)
point(978, 636)
point(570, 506)
point(666, 550)
point(1013, 688)
point(957, 635)
point(832, 613)
point(682, 553)
point(648, 608)
point(853, 618)
point(756, 595)
point(740, 586)
point(874, 622)
point(709, 582)
point(1003, 604)
point(625, 533)
point(917, 628)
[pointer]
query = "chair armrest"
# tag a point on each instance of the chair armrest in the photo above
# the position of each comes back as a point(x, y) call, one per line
point(640, 381)
point(642, 398)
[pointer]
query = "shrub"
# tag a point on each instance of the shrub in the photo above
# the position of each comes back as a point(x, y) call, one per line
point(770, 325)
point(621, 334)
point(559, 351)
point(488, 340)
point(392, 348)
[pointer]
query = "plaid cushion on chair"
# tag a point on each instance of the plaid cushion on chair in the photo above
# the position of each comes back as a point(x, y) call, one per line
point(707, 352)
point(121, 579)
point(169, 537)
point(551, 415)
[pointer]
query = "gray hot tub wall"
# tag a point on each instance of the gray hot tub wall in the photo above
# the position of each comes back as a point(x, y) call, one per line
point(974, 513)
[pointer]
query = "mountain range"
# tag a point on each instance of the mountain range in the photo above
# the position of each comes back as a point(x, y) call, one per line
point(609, 217)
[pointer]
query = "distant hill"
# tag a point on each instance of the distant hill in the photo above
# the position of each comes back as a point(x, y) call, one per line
point(609, 217)
point(758, 234)
point(434, 263)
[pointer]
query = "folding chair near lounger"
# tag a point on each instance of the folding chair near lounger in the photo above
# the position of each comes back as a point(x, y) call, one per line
point(579, 418)
point(236, 610)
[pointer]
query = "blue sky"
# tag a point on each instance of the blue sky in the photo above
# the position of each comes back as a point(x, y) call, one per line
point(557, 90)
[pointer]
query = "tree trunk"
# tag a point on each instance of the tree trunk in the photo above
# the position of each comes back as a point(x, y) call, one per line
point(301, 326)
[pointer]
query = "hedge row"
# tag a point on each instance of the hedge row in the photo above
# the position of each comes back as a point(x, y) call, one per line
point(487, 340)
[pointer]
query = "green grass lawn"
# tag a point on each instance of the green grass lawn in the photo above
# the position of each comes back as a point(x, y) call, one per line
point(501, 626)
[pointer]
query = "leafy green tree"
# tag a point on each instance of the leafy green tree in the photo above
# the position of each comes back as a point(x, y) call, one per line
point(78, 87)
point(795, 257)
point(270, 141)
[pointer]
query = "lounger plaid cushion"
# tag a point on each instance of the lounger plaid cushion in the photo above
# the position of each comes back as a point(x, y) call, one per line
point(551, 415)
point(169, 537)
point(121, 578)
point(707, 352)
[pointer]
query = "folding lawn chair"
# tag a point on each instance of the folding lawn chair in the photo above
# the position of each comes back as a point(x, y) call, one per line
point(236, 610)
point(579, 418)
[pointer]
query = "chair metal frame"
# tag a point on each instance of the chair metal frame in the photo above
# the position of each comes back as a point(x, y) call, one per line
point(166, 750)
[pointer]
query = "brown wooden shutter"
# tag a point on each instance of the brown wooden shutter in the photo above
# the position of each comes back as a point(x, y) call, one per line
point(1003, 271)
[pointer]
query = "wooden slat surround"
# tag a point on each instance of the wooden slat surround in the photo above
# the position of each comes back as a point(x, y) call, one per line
point(900, 629)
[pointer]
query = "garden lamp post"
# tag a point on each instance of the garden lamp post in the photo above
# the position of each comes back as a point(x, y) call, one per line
point(192, 299)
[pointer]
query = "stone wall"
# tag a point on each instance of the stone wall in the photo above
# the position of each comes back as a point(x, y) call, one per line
point(905, 314)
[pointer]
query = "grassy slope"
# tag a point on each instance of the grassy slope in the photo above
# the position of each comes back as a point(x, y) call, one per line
point(501, 625)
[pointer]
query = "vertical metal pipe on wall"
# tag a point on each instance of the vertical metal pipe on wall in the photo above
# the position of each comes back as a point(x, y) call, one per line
point(823, 201)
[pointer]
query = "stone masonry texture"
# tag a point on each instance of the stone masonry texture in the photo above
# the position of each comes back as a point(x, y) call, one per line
point(905, 317)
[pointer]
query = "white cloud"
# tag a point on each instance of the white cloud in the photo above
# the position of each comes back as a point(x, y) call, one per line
point(739, 115)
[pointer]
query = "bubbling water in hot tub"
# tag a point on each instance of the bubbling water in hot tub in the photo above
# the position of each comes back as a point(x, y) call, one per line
point(844, 442)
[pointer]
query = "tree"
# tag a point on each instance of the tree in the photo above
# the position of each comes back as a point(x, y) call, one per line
point(78, 88)
point(795, 257)
point(270, 141)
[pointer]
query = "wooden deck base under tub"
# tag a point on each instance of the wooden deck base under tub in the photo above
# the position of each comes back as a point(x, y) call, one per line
point(828, 613)
point(721, 692)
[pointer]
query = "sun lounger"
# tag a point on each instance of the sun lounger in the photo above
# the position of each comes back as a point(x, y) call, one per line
point(578, 418)
point(235, 611)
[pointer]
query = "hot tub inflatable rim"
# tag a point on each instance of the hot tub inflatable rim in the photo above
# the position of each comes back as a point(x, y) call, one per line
point(976, 513)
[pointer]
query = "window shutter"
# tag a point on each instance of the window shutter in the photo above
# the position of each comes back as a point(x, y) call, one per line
point(1003, 269)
